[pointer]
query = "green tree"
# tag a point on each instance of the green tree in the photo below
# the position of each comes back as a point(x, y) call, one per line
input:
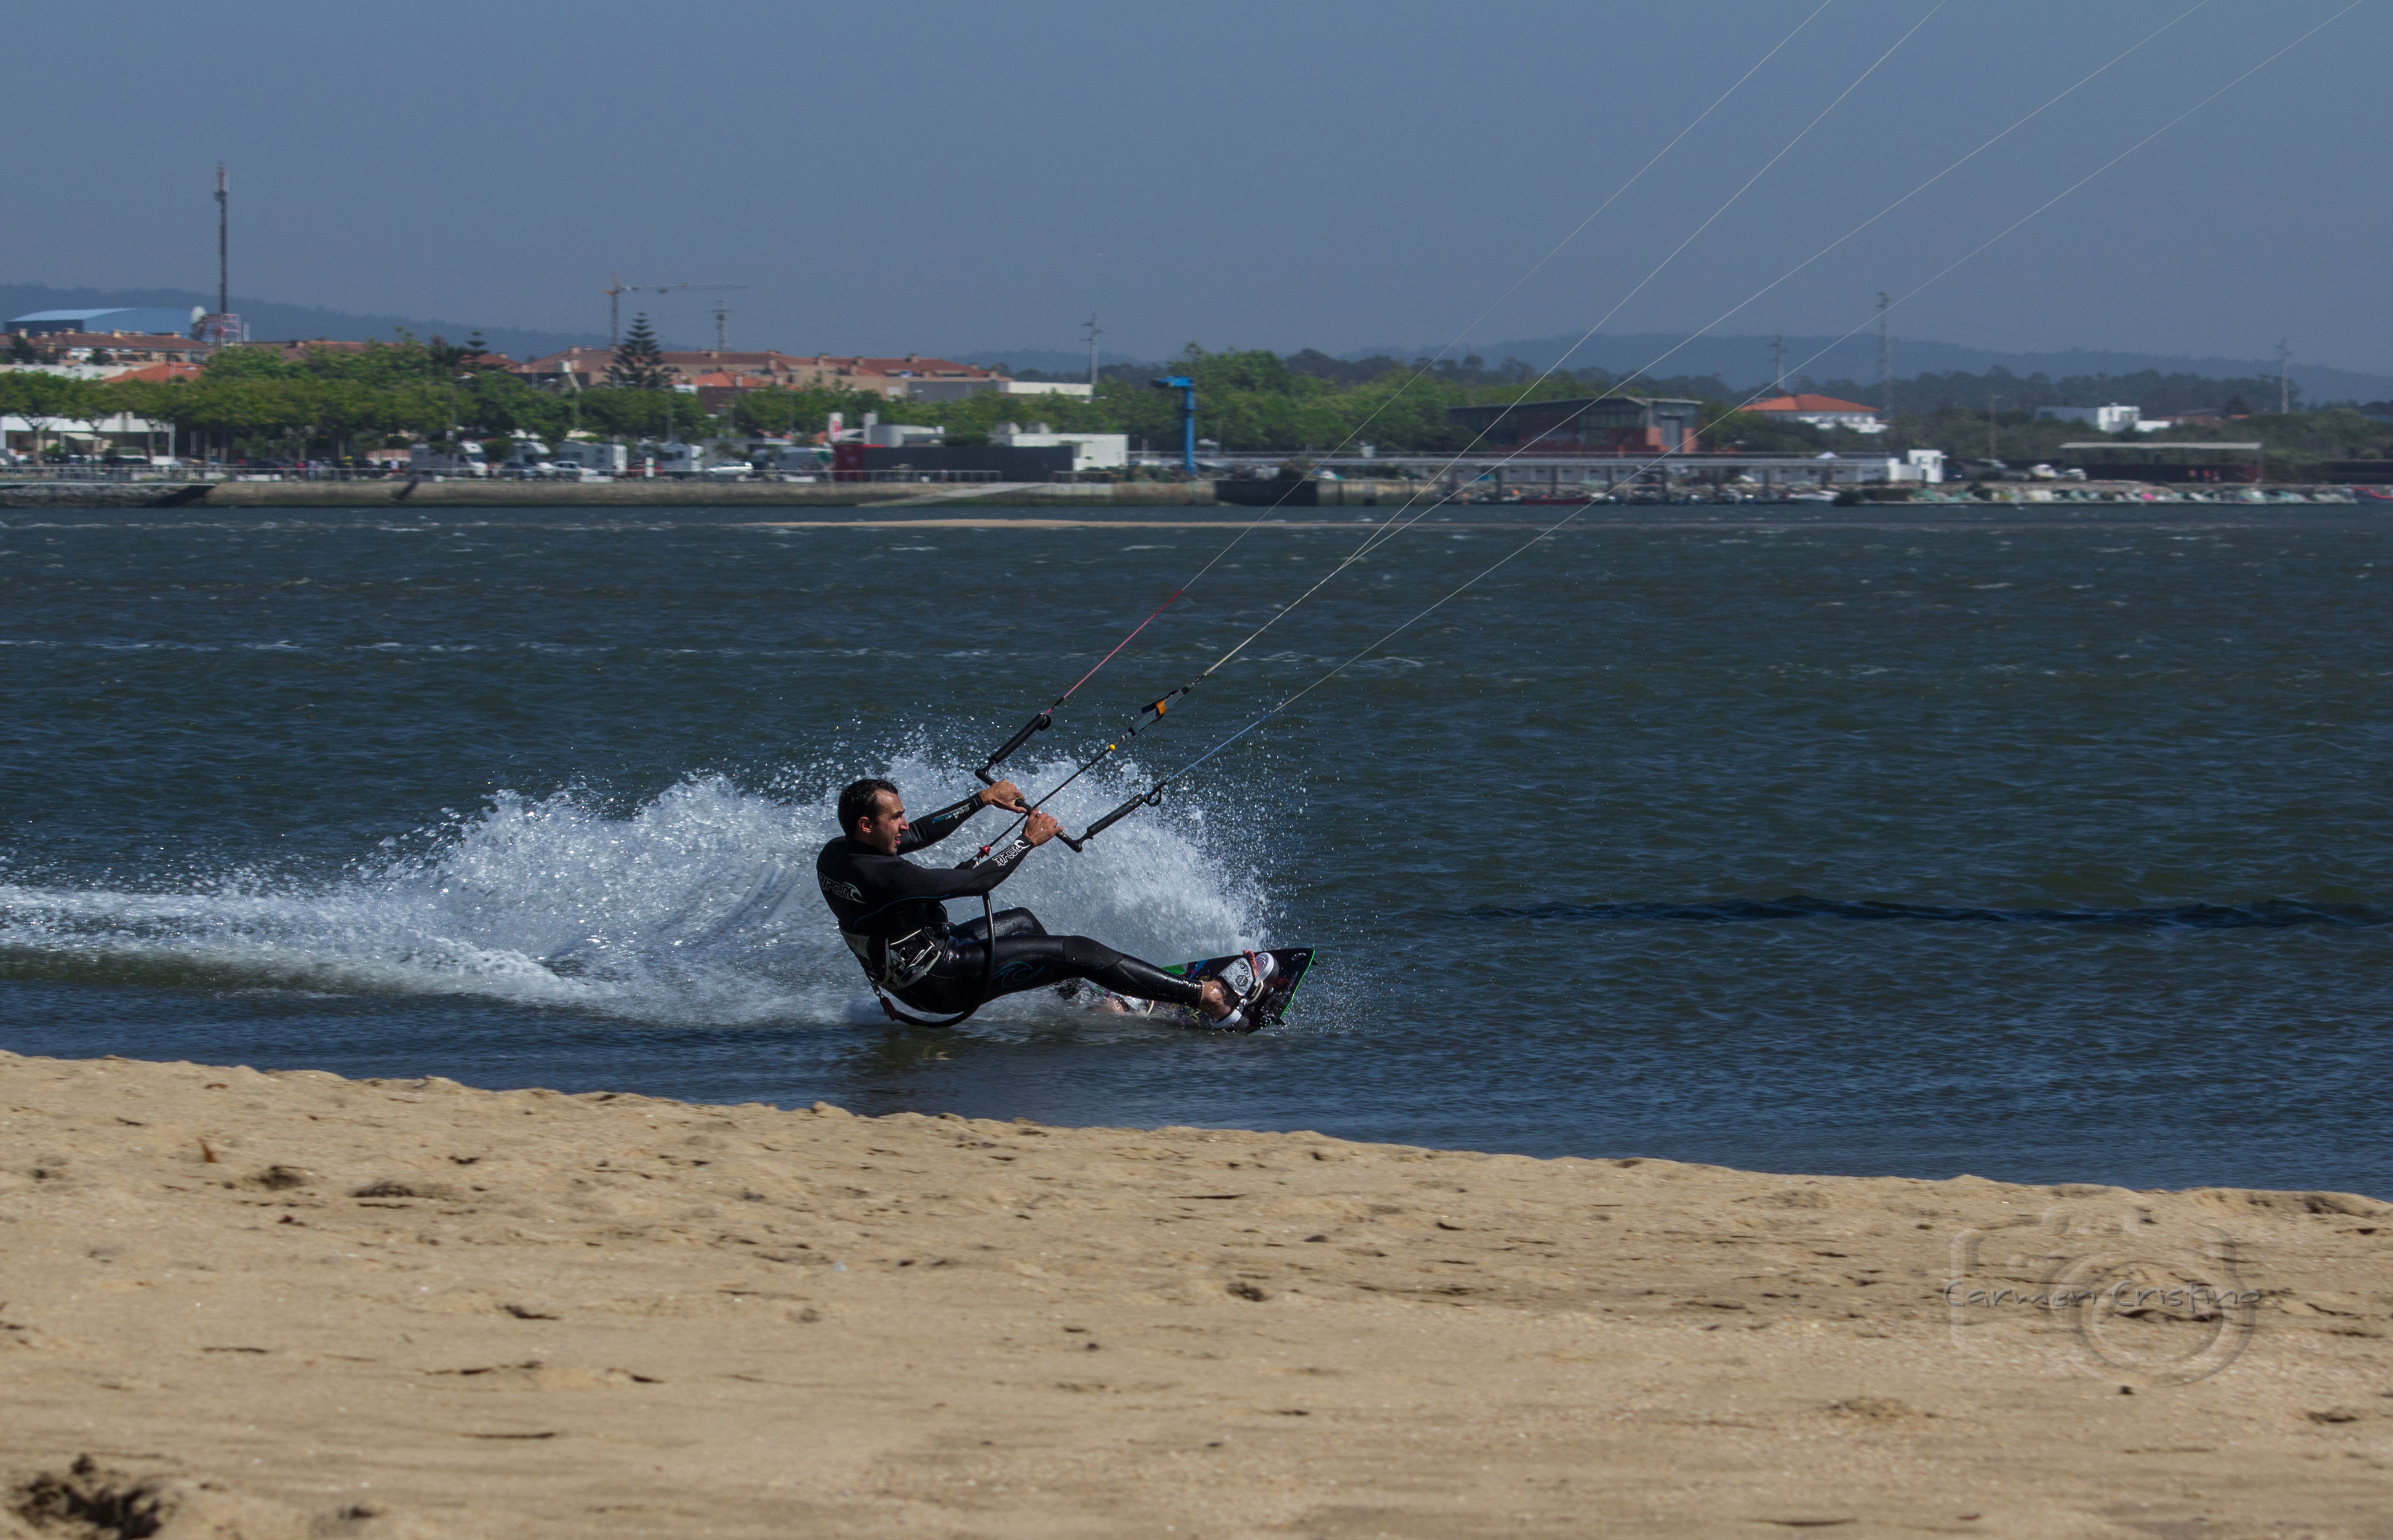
point(639, 363)
point(43, 399)
point(776, 410)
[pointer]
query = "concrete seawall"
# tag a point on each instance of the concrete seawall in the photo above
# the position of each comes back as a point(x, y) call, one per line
point(690, 494)
point(602, 494)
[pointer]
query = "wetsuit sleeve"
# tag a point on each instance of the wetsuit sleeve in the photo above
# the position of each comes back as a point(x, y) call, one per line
point(892, 878)
point(932, 827)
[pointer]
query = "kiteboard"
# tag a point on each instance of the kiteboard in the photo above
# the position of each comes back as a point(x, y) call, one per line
point(1282, 970)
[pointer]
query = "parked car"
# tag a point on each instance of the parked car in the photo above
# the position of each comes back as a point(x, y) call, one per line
point(736, 471)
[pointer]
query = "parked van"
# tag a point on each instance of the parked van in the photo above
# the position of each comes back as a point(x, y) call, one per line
point(797, 461)
point(466, 459)
point(679, 459)
point(593, 458)
point(526, 457)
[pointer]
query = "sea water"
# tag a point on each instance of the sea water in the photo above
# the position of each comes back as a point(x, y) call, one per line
point(2049, 847)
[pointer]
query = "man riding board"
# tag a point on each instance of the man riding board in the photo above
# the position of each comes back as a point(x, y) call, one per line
point(893, 914)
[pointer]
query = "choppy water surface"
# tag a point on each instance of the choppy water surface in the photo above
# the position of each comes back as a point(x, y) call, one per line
point(2050, 850)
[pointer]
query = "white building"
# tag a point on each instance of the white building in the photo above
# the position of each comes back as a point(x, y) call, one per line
point(1091, 451)
point(24, 435)
point(1822, 412)
point(2114, 418)
point(902, 436)
point(1926, 466)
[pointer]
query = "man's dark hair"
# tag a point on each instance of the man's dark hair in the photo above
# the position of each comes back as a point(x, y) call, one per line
point(861, 801)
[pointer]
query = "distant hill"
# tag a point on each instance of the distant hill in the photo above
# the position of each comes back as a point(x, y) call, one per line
point(271, 320)
point(1055, 363)
point(1743, 361)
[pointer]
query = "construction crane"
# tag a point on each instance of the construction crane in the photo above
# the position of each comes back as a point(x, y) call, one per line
point(616, 288)
point(1187, 388)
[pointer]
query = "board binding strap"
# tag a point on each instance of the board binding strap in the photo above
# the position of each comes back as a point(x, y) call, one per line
point(1278, 970)
point(1282, 968)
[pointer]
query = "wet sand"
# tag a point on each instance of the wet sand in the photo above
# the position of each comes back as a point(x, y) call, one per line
point(290, 1304)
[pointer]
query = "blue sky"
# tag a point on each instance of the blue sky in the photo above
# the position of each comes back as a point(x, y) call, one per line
point(951, 176)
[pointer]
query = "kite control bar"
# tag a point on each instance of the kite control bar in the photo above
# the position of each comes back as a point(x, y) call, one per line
point(1046, 718)
point(1039, 724)
point(1153, 798)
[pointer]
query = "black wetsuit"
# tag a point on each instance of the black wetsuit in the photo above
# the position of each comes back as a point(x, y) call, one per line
point(893, 915)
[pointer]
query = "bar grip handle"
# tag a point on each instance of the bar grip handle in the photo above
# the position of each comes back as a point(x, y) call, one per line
point(1039, 724)
point(1145, 798)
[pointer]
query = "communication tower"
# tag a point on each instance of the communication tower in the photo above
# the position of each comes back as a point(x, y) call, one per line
point(223, 326)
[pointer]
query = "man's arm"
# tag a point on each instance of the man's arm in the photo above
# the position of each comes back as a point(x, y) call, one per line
point(893, 879)
point(932, 827)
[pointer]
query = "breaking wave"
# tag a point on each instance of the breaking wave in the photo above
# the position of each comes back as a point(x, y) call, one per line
point(696, 907)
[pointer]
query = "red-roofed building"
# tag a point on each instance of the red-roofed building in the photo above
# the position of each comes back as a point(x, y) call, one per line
point(160, 374)
point(716, 390)
point(1822, 412)
point(727, 373)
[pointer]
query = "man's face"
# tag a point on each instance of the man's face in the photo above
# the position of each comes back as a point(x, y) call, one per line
point(885, 826)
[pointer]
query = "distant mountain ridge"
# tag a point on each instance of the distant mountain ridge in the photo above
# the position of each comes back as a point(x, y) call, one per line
point(272, 321)
point(1743, 361)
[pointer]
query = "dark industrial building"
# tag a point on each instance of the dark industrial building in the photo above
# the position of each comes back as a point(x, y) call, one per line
point(1609, 424)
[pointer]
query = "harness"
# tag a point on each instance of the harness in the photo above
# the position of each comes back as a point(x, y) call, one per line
point(908, 958)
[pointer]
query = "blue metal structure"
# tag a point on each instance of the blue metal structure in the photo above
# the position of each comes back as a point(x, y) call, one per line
point(147, 320)
point(1187, 388)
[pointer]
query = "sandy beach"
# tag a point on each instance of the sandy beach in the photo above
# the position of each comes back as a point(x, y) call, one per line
point(245, 1304)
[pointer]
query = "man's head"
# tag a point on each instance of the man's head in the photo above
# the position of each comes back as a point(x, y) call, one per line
point(873, 815)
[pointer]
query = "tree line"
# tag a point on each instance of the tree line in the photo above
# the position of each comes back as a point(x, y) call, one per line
point(254, 402)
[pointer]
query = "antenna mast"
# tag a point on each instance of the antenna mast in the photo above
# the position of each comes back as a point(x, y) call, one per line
point(2284, 378)
point(1094, 333)
point(224, 246)
point(224, 326)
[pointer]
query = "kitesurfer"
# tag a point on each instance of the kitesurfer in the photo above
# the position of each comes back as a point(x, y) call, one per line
point(893, 915)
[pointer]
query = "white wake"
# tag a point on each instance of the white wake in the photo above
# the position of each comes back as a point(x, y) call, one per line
point(698, 908)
